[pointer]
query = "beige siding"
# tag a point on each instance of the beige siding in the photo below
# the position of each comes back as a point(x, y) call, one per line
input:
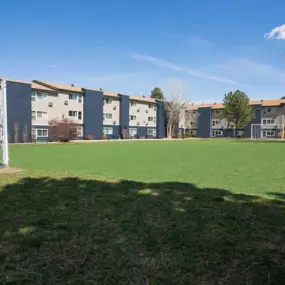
point(188, 118)
point(142, 111)
point(114, 109)
point(277, 114)
point(58, 110)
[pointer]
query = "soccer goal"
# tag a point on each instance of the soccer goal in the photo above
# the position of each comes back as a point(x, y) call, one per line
point(260, 131)
point(4, 153)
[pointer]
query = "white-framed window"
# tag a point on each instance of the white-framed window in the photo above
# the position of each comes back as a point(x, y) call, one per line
point(107, 116)
point(34, 115)
point(266, 134)
point(42, 133)
point(107, 131)
point(268, 122)
point(215, 122)
point(132, 132)
point(133, 117)
point(79, 115)
point(154, 108)
point(41, 115)
point(217, 112)
point(151, 132)
point(39, 96)
point(79, 98)
point(79, 131)
point(133, 104)
point(107, 100)
point(150, 119)
point(217, 133)
point(151, 106)
point(73, 96)
point(72, 113)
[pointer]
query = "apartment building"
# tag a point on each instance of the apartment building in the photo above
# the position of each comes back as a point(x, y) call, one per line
point(98, 113)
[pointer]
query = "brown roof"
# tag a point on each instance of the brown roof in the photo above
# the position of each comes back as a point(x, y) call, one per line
point(58, 86)
point(111, 94)
point(143, 99)
point(17, 81)
point(264, 103)
point(41, 87)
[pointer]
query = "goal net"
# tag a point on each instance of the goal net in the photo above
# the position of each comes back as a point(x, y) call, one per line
point(4, 156)
point(260, 131)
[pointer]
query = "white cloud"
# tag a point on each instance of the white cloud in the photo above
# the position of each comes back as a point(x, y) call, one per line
point(174, 67)
point(277, 33)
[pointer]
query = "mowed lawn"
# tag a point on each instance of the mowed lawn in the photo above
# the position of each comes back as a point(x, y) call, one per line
point(179, 212)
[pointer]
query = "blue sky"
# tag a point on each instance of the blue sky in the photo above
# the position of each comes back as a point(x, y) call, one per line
point(132, 46)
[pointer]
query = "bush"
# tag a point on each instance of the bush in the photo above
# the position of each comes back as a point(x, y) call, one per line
point(63, 130)
point(189, 135)
point(90, 138)
point(104, 138)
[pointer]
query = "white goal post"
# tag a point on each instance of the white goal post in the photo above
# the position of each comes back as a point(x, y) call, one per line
point(4, 151)
point(260, 131)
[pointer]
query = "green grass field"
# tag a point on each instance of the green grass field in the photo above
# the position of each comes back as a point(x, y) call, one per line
point(179, 212)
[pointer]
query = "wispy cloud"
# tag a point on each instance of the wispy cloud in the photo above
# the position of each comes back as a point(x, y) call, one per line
point(54, 66)
point(190, 71)
point(277, 33)
point(117, 76)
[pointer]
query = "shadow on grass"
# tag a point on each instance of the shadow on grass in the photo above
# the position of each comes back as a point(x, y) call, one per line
point(75, 231)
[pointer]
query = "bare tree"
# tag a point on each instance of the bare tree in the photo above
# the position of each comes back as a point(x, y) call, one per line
point(25, 134)
point(16, 132)
point(63, 130)
point(175, 106)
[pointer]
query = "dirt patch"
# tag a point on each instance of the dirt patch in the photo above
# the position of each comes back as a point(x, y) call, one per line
point(9, 170)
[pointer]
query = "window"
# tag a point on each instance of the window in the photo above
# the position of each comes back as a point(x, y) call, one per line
point(133, 104)
point(33, 97)
point(150, 106)
point(79, 115)
point(42, 133)
point(133, 118)
point(107, 116)
point(217, 112)
point(132, 132)
point(154, 108)
point(42, 96)
point(268, 134)
point(150, 119)
point(41, 115)
point(79, 98)
point(66, 103)
point(73, 96)
point(107, 131)
point(107, 100)
point(115, 108)
point(72, 113)
point(50, 104)
point(151, 132)
point(79, 132)
point(217, 133)
point(215, 122)
point(269, 110)
point(34, 115)
point(268, 122)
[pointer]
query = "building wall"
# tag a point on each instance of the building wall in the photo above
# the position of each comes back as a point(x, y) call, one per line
point(93, 114)
point(161, 120)
point(19, 109)
point(257, 109)
point(112, 108)
point(142, 111)
point(116, 131)
point(204, 123)
point(277, 114)
point(59, 109)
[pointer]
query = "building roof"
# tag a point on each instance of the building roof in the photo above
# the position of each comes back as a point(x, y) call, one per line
point(37, 86)
point(143, 99)
point(58, 86)
point(111, 94)
point(215, 106)
point(17, 81)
